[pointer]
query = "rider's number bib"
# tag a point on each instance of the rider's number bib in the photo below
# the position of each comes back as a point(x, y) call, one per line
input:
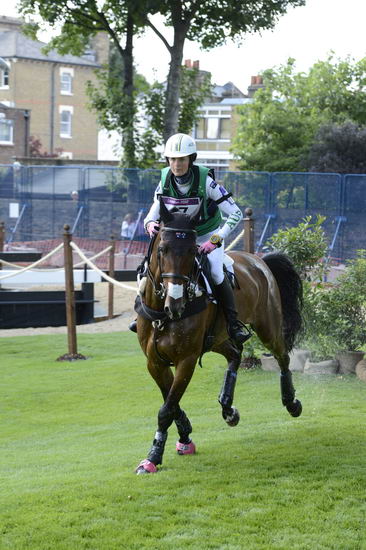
point(188, 206)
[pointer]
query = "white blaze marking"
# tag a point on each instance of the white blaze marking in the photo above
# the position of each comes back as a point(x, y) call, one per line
point(175, 291)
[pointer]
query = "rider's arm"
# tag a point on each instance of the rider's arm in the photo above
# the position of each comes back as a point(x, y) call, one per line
point(226, 205)
point(154, 212)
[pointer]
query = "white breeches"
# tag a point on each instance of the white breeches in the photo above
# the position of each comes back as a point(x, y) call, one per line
point(216, 259)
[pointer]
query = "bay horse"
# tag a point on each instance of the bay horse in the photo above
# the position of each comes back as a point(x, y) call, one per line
point(173, 324)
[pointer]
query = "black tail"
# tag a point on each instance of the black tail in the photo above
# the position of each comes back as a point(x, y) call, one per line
point(290, 286)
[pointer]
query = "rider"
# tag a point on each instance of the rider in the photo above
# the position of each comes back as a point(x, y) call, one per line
point(181, 180)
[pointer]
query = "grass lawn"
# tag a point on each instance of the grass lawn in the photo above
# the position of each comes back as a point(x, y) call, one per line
point(72, 434)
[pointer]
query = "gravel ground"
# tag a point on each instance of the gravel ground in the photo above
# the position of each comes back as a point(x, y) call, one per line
point(123, 314)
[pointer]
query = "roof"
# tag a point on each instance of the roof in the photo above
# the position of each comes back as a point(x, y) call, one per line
point(14, 44)
point(228, 90)
point(235, 100)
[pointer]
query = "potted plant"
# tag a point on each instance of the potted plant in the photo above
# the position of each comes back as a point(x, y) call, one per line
point(343, 313)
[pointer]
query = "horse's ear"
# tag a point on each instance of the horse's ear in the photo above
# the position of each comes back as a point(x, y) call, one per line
point(165, 215)
point(195, 218)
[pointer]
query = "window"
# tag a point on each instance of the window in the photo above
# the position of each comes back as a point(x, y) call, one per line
point(213, 128)
point(200, 128)
point(6, 131)
point(66, 77)
point(4, 78)
point(66, 113)
point(225, 128)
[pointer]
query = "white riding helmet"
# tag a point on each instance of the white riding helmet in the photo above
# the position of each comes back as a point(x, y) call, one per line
point(180, 145)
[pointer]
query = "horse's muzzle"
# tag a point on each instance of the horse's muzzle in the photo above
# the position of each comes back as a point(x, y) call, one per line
point(174, 311)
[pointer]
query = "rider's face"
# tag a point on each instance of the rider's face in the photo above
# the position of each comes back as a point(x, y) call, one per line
point(179, 165)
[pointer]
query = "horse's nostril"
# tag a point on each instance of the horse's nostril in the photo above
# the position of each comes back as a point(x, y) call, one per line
point(166, 309)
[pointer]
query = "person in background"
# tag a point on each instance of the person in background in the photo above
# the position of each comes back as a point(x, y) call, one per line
point(128, 227)
point(180, 180)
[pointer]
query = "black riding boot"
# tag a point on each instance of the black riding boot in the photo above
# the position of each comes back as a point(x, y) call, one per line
point(133, 326)
point(236, 329)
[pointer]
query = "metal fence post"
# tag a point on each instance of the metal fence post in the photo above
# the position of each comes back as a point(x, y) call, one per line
point(2, 236)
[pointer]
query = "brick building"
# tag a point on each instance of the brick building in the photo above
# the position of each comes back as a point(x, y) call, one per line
point(51, 89)
point(14, 133)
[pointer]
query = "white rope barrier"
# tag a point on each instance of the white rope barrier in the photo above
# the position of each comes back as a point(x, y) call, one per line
point(34, 264)
point(99, 271)
point(4, 262)
point(233, 243)
point(95, 256)
point(50, 269)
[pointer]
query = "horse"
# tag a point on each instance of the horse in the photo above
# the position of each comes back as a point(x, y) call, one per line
point(175, 325)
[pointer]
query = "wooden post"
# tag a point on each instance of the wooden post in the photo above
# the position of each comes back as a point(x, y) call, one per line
point(249, 231)
point(2, 236)
point(69, 300)
point(111, 274)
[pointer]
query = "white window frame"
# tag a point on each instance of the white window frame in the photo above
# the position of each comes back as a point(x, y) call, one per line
point(66, 76)
point(4, 79)
point(70, 111)
point(10, 124)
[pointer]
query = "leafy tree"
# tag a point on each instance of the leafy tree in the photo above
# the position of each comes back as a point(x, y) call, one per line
point(80, 20)
point(210, 22)
point(276, 130)
point(195, 88)
point(339, 148)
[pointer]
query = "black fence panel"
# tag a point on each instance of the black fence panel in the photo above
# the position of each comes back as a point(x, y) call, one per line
point(37, 201)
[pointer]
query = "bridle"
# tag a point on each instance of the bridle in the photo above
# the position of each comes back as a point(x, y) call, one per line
point(190, 280)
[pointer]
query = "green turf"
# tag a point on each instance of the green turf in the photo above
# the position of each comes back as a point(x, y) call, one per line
point(72, 434)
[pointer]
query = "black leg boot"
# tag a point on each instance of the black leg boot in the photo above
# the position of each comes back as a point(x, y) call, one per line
point(236, 329)
point(133, 326)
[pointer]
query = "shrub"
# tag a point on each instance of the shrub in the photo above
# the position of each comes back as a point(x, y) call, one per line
point(306, 246)
point(336, 315)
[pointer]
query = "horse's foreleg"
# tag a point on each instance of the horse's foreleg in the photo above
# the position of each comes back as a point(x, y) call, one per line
point(185, 445)
point(172, 388)
point(233, 355)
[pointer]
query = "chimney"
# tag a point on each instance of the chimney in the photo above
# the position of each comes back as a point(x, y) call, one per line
point(188, 64)
point(256, 82)
point(196, 64)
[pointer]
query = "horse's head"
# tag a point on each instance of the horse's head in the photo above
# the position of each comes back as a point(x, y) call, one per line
point(176, 256)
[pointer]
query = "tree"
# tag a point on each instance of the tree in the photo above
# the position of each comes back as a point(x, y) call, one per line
point(276, 130)
point(194, 90)
point(80, 20)
point(339, 148)
point(210, 22)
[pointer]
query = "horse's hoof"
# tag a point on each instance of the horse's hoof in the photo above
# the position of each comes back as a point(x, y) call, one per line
point(146, 467)
point(295, 408)
point(232, 419)
point(185, 448)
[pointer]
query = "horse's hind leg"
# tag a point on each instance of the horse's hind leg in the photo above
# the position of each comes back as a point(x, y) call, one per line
point(233, 356)
point(293, 405)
